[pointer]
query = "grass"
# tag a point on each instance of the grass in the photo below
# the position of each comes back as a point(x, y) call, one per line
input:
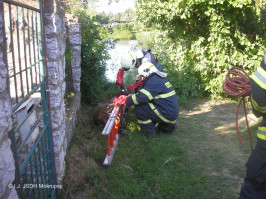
point(203, 159)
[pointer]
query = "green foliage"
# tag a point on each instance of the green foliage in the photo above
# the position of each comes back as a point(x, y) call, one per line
point(186, 84)
point(102, 18)
point(202, 39)
point(68, 71)
point(128, 15)
point(94, 52)
point(122, 31)
point(104, 32)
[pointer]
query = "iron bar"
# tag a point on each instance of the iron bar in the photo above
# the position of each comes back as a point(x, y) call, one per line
point(25, 119)
point(37, 44)
point(19, 56)
point(24, 70)
point(32, 149)
point(26, 171)
point(40, 164)
point(21, 5)
point(25, 50)
point(47, 155)
point(12, 50)
point(32, 179)
point(34, 50)
point(36, 170)
point(25, 98)
point(29, 134)
point(29, 44)
point(44, 164)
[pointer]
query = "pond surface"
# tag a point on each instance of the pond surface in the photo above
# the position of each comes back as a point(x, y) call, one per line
point(113, 64)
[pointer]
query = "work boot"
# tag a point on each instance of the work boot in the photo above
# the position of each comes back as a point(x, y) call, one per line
point(146, 133)
point(176, 126)
point(168, 129)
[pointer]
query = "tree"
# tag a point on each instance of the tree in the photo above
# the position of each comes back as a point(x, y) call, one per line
point(102, 18)
point(204, 38)
point(129, 15)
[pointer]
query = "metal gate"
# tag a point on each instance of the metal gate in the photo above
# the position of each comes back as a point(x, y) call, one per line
point(31, 138)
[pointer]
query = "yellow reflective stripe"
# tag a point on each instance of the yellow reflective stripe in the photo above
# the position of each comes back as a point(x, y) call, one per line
point(262, 128)
point(257, 107)
point(131, 56)
point(260, 78)
point(161, 96)
point(144, 122)
point(147, 93)
point(151, 66)
point(263, 137)
point(262, 72)
point(159, 115)
point(134, 99)
point(261, 133)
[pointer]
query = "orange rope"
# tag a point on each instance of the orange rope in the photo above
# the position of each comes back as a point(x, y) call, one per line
point(237, 84)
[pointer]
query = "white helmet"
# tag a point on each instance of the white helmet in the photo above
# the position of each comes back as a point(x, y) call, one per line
point(138, 53)
point(146, 69)
point(128, 60)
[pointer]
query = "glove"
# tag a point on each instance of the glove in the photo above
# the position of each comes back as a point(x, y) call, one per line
point(135, 85)
point(120, 100)
point(119, 77)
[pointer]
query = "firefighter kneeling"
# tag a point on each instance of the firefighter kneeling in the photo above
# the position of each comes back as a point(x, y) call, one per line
point(155, 102)
point(254, 185)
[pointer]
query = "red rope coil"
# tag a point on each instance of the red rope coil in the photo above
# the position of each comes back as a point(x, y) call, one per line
point(237, 84)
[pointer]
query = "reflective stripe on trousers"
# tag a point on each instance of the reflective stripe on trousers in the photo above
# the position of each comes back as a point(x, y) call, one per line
point(261, 133)
point(159, 114)
point(144, 122)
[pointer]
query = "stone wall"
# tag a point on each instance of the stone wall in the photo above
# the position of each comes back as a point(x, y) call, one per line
point(73, 28)
point(62, 123)
point(55, 33)
point(74, 37)
point(7, 164)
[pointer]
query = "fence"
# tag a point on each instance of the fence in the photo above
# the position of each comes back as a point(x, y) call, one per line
point(31, 137)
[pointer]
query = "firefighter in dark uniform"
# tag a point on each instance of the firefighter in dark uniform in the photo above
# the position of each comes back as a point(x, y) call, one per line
point(155, 101)
point(254, 185)
point(132, 60)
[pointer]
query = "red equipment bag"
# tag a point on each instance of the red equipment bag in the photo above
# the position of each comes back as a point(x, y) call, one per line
point(119, 77)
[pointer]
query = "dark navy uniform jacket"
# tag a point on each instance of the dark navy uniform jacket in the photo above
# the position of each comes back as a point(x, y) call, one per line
point(258, 86)
point(160, 95)
point(254, 185)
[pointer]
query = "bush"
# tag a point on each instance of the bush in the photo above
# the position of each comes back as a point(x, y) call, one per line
point(203, 39)
point(122, 31)
point(94, 52)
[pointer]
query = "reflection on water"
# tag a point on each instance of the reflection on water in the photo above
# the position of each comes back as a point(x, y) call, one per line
point(113, 64)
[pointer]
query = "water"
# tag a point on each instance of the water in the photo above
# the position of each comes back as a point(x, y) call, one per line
point(113, 64)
